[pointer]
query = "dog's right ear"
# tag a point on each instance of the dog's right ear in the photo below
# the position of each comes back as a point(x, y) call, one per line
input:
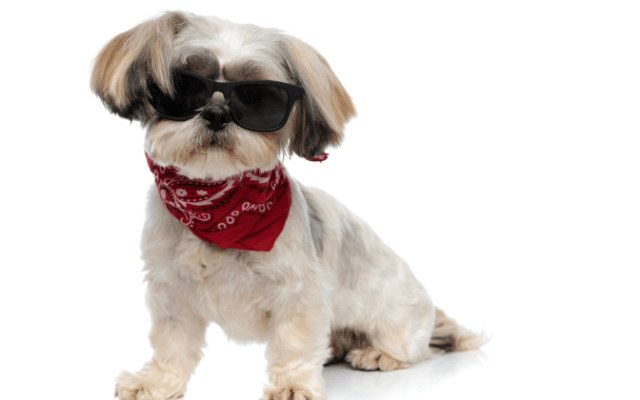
point(124, 67)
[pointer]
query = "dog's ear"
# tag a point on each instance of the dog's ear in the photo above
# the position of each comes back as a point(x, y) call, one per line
point(123, 68)
point(325, 107)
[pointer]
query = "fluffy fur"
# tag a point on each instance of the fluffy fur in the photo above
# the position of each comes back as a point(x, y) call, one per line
point(329, 289)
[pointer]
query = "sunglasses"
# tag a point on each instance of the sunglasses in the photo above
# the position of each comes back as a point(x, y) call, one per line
point(257, 105)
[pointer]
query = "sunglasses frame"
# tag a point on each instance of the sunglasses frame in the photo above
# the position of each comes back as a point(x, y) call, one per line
point(293, 93)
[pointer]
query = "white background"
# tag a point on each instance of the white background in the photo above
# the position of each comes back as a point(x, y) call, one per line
point(496, 150)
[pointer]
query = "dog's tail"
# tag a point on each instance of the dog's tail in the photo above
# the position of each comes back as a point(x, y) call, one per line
point(448, 335)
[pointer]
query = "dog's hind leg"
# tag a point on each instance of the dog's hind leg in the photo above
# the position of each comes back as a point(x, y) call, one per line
point(397, 338)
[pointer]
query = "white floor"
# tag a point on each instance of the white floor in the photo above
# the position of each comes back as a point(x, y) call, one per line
point(441, 376)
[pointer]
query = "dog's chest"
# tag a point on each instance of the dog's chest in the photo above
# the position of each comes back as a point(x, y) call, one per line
point(235, 294)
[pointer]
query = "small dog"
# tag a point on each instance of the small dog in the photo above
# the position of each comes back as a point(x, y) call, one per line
point(231, 237)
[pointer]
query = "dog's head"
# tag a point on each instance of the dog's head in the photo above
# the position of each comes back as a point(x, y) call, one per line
point(139, 66)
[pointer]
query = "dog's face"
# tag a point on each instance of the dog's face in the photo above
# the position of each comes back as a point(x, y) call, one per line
point(137, 65)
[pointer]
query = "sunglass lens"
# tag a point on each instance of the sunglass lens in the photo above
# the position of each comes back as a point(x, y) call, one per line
point(190, 94)
point(259, 106)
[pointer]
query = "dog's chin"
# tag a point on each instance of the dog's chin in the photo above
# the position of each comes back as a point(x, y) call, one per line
point(203, 153)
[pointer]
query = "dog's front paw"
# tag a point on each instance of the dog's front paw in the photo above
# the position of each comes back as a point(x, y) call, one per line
point(291, 393)
point(149, 384)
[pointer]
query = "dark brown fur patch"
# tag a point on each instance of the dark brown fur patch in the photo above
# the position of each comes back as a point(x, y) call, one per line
point(204, 63)
point(243, 71)
point(343, 340)
point(312, 133)
point(444, 332)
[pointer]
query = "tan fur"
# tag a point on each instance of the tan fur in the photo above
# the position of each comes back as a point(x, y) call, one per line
point(329, 289)
point(154, 38)
point(245, 70)
point(323, 87)
point(105, 64)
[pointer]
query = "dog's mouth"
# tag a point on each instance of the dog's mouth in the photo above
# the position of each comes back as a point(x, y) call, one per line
point(219, 139)
point(222, 140)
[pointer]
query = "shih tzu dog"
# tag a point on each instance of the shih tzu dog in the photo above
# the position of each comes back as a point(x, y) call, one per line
point(231, 237)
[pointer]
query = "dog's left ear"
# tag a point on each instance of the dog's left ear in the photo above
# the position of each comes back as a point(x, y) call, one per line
point(325, 107)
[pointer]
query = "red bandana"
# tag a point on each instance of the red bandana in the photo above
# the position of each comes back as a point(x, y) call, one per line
point(245, 212)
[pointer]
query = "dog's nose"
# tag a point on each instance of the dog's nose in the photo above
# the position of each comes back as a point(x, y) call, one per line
point(217, 117)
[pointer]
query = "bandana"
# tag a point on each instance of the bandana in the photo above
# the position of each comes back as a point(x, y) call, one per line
point(245, 212)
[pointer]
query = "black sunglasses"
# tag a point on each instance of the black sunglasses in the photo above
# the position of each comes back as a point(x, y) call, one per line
point(257, 105)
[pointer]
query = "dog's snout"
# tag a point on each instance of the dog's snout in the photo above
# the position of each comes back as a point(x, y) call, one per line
point(217, 117)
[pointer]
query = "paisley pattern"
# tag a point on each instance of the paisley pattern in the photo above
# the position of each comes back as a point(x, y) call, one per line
point(245, 212)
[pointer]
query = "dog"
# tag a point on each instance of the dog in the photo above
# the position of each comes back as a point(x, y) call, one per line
point(230, 237)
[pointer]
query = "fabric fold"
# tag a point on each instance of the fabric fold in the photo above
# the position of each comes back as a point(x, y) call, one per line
point(245, 212)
